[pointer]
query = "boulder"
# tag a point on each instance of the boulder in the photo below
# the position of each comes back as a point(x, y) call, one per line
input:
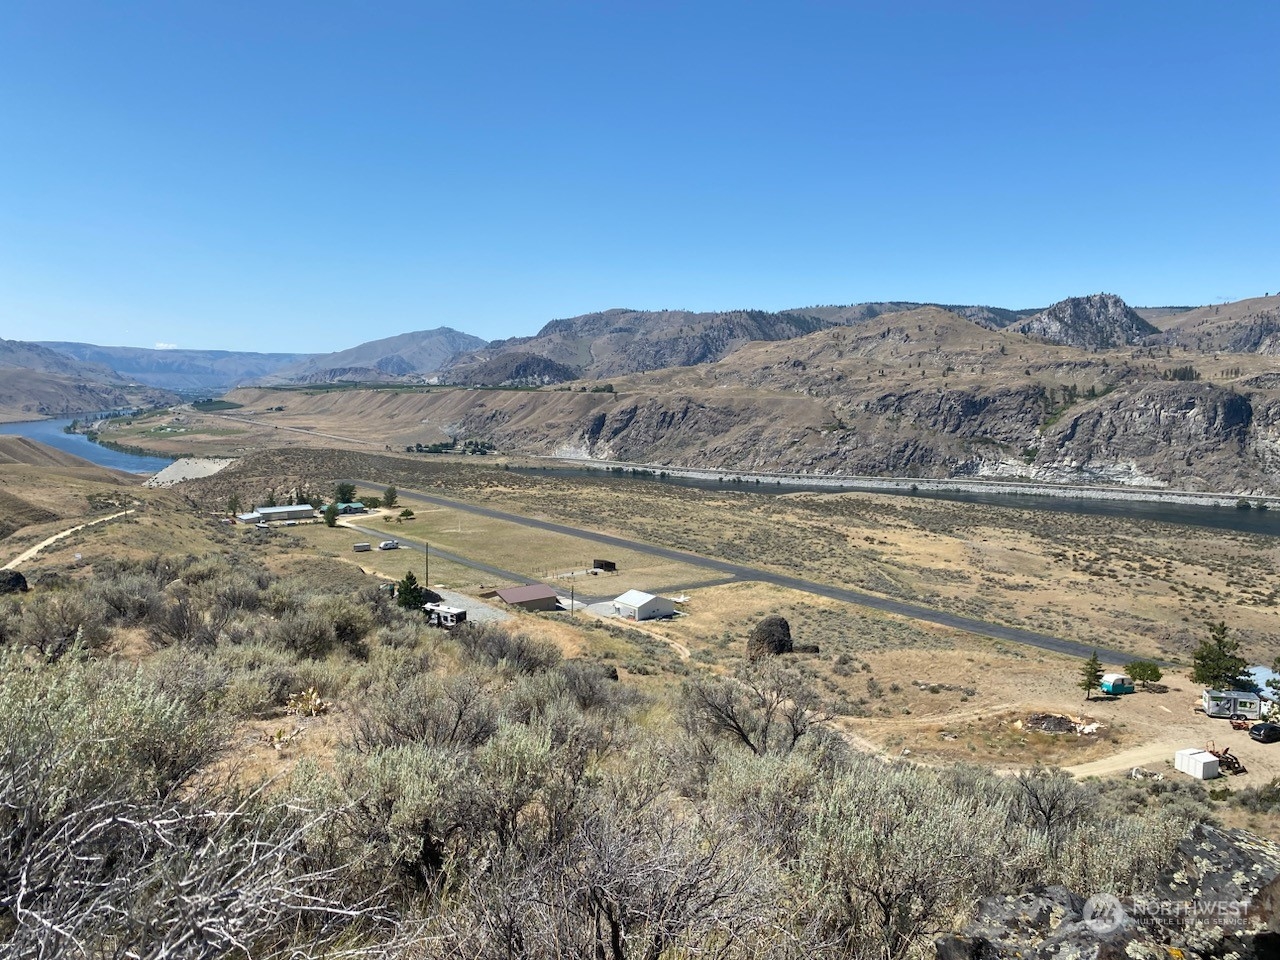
point(770, 637)
point(1219, 897)
point(11, 581)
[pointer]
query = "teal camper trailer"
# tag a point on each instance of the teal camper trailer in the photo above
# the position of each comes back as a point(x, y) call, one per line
point(1116, 683)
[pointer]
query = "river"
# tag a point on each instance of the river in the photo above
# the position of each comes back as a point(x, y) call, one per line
point(1266, 522)
point(52, 433)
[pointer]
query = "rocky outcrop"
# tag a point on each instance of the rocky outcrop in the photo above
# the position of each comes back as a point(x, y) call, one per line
point(1219, 897)
point(1095, 322)
point(513, 369)
point(770, 637)
point(1197, 432)
point(11, 581)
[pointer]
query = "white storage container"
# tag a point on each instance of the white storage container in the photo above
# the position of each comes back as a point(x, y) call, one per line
point(1180, 758)
point(1202, 765)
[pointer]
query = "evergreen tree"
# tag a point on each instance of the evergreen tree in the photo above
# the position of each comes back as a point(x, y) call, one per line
point(389, 498)
point(1090, 674)
point(408, 592)
point(345, 493)
point(331, 515)
point(1218, 664)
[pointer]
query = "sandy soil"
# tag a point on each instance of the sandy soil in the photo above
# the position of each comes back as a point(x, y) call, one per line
point(188, 468)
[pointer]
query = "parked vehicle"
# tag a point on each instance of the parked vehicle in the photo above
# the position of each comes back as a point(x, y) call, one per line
point(1265, 732)
point(1235, 704)
point(1116, 683)
point(361, 547)
point(389, 545)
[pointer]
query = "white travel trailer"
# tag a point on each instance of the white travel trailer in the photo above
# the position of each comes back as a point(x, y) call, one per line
point(1236, 704)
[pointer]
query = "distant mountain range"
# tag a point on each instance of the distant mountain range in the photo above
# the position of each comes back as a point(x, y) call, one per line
point(615, 342)
point(393, 358)
point(208, 371)
point(1088, 390)
point(37, 382)
point(1079, 393)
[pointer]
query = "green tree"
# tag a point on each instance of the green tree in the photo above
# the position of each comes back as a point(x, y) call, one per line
point(345, 493)
point(1274, 682)
point(1090, 674)
point(316, 501)
point(271, 499)
point(1144, 671)
point(408, 592)
point(233, 503)
point(1218, 664)
point(406, 514)
point(331, 515)
point(389, 497)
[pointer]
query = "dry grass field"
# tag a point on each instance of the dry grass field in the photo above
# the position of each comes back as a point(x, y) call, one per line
point(892, 685)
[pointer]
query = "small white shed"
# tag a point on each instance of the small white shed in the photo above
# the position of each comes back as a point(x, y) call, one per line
point(637, 605)
point(1197, 763)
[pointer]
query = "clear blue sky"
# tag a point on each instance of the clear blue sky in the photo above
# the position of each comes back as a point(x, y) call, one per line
point(310, 175)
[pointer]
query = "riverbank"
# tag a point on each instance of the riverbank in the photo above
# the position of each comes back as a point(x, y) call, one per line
point(906, 486)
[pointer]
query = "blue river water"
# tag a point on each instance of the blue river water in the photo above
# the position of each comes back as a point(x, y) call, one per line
point(1265, 522)
point(51, 433)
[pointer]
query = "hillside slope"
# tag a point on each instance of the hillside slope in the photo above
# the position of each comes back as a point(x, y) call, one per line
point(211, 371)
point(619, 341)
point(407, 355)
point(40, 485)
point(35, 395)
point(1246, 326)
point(919, 393)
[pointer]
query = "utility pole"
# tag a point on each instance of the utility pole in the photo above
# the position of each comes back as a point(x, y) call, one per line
point(426, 560)
point(571, 604)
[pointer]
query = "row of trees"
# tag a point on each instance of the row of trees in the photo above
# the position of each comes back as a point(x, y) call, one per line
point(1216, 663)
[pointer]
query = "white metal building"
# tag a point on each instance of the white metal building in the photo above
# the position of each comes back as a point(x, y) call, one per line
point(636, 605)
point(302, 511)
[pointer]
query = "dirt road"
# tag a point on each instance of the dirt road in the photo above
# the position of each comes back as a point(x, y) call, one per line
point(30, 552)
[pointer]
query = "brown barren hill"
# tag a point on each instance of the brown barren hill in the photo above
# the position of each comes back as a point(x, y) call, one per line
point(39, 484)
point(33, 453)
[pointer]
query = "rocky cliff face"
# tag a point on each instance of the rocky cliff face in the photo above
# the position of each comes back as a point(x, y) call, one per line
point(1095, 322)
point(1199, 433)
point(1218, 898)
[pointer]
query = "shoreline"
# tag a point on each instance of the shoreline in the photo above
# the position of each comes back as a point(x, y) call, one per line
point(909, 485)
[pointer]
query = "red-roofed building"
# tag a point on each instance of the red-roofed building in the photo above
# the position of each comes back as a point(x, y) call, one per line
point(533, 596)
